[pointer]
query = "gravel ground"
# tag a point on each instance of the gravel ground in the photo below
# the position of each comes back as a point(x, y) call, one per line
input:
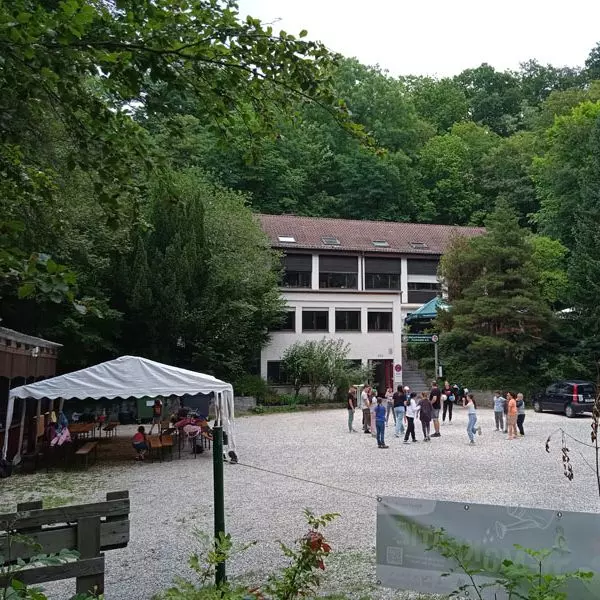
point(169, 500)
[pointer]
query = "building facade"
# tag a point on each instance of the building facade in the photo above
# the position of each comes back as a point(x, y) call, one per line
point(354, 280)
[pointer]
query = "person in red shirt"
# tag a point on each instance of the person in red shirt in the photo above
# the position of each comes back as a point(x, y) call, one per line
point(140, 443)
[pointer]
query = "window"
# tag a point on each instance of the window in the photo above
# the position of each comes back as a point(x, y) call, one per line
point(421, 292)
point(286, 239)
point(297, 271)
point(274, 372)
point(353, 364)
point(339, 272)
point(418, 245)
point(347, 320)
point(422, 267)
point(380, 244)
point(382, 273)
point(288, 323)
point(330, 241)
point(315, 320)
point(379, 321)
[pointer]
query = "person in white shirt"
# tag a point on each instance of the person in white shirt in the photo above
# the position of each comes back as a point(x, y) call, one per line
point(412, 411)
point(366, 409)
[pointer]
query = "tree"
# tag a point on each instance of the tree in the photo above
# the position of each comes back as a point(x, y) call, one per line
point(317, 364)
point(499, 322)
point(592, 63)
point(550, 261)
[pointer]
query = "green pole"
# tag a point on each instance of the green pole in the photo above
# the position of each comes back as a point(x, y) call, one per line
point(219, 493)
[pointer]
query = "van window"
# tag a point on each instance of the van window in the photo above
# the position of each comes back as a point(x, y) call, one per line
point(586, 389)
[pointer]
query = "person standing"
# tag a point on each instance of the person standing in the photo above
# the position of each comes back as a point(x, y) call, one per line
point(366, 409)
point(373, 399)
point(520, 413)
point(499, 405)
point(435, 397)
point(448, 392)
point(351, 407)
point(399, 399)
point(425, 412)
point(157, 409)
point(472, 423)
point(380, 412)
point(512, 416)
point(389, 399)
point(412, 410)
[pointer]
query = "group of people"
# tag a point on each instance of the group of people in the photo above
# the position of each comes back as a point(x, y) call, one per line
point(407, 407)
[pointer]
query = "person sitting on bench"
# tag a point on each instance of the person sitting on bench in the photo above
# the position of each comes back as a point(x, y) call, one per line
point(140, 443)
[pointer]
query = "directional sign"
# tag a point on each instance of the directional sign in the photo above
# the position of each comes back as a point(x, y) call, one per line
point(420, 338)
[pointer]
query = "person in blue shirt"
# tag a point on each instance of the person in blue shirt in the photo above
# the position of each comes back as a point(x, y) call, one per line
point(380, 411)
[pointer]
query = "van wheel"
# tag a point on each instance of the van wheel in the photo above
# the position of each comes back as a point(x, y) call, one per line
point(569, 411)
point(537, 407)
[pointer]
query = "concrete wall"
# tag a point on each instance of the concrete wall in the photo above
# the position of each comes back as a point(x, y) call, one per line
point(243, 403)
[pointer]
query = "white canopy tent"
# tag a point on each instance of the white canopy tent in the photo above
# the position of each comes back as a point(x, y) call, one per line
point(126, 377)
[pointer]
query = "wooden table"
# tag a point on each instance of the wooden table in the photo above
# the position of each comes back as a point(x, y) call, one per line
point(83, 429)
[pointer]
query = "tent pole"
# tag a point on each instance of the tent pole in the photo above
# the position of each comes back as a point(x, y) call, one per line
point(219, 493)
point(21, 431)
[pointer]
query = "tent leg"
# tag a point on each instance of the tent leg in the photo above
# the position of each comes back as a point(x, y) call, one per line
point(219, 492)
point(17, 457)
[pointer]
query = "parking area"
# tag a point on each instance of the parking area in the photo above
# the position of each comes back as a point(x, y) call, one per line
point(308, 459)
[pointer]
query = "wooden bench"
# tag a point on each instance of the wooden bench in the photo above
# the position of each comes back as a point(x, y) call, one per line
point(86, 450)
point(89, 529)
point(111, 429)
point(155, 447)
point(166, 442)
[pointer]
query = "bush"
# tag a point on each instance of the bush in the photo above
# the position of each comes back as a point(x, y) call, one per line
point(252, 385)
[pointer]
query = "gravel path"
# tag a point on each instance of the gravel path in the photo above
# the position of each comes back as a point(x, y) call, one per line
point(169, 500)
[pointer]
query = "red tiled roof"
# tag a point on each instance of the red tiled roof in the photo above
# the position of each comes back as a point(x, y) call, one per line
point(359, 235)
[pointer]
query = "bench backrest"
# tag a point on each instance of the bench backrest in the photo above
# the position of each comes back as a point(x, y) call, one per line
point(86, 528)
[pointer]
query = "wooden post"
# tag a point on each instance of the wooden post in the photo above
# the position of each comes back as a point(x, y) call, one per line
point(88, 546)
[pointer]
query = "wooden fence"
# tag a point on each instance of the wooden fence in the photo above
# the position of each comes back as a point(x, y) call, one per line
point(90, 529)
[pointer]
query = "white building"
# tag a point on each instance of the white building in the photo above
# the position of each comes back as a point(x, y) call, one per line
point(355, 280)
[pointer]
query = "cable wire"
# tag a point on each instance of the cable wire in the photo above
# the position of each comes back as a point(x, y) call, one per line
point(331, 487)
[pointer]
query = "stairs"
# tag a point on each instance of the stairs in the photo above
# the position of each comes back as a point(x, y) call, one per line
point(416, 380)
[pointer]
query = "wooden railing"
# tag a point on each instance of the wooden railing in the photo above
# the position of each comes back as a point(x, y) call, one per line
point(88, 529)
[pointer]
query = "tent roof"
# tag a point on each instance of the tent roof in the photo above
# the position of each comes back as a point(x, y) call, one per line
point(429, 310)
point(123, 377)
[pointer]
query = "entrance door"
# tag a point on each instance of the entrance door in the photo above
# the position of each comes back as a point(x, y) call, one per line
point(383, 375)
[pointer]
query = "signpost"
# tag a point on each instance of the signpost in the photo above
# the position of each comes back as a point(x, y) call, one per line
point(425, 338)
point(407, 527)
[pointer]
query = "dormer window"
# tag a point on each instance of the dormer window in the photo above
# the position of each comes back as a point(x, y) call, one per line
point(330, 241)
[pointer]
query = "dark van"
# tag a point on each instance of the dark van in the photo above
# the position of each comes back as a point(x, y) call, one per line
point(571, 397)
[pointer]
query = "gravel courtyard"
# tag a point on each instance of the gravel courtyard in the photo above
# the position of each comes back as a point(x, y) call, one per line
point(169, 500)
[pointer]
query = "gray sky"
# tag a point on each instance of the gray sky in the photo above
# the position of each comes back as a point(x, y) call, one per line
point(441, 37)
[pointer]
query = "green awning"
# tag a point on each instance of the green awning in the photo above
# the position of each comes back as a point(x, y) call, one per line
point(427, 311)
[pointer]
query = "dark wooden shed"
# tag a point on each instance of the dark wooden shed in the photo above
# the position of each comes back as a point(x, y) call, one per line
point(23, 359)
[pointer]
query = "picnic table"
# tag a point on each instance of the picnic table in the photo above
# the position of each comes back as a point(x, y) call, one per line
point(82, 429)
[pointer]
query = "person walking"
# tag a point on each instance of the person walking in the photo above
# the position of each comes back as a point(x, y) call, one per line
point(366, 409)
point(351, 407)
point(399, 400)
point(472, 428)
point(425, 413)
point(412, 410)
point(389, 399)
point(448, 402)
point(435, 397)
point(499, 405)
point(512, 416)
point(380, 413)
point(506, 413)
point(520, 414)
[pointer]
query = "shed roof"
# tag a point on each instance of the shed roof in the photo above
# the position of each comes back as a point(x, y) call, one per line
point(353, 235)
point(23, 338)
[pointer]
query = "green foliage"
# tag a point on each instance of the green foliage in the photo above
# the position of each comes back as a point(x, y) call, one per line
point(519, 580)
point(316, 364)
point(301, 578)
point(499, 322)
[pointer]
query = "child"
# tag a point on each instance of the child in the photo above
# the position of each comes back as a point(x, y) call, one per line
point(499, 403)
point(380, 411)
point(140, 443)
point(412, 410)
point(471, 425)
point(157, 409)
point(425, 414)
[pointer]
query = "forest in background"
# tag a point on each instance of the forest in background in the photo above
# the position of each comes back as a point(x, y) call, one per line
point(135, 144)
